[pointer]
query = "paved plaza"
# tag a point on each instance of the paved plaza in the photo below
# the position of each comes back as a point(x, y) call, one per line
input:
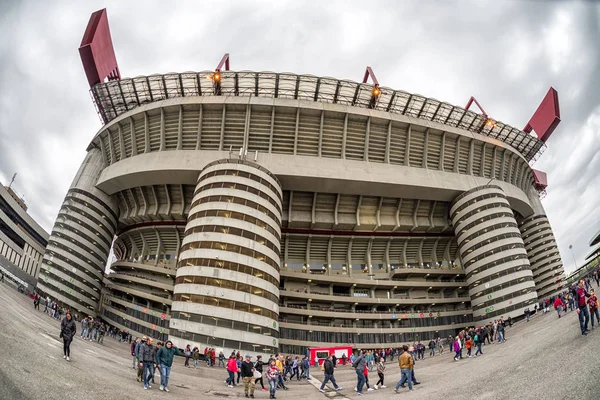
point(545, 358)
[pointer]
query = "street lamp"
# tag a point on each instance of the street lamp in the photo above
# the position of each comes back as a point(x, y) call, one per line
point(573, 254)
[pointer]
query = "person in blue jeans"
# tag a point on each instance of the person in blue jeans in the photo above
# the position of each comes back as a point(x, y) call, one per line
point(478, 341)
point(148, 362)
point(329, 369)
point(582, 310)
point(164, 358)
point(359, 364)
point(406, 364)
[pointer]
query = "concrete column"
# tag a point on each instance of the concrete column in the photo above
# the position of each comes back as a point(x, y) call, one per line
point(493, 254)
point(73, 265)
point(230, 259)
point(544, 257)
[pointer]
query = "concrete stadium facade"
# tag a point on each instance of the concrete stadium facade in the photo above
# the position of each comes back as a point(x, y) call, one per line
point(277, 211)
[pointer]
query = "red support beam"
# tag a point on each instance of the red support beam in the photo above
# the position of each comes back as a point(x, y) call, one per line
point(541, 180)
point(224, 61)
point(546, 118)
point(369, 73)
point(97, 51)
point(474, 100)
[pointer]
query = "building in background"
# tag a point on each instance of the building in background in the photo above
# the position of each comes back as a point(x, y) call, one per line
point(262, 211)
point(22, 240)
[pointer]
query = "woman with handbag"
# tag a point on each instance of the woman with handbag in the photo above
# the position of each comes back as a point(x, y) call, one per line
point(67, 331)
point(258, 372)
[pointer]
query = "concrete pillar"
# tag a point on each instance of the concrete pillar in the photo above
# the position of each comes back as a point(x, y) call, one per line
point(73, 265)
point(493, 254)
point(231, 254)
point(544, 257)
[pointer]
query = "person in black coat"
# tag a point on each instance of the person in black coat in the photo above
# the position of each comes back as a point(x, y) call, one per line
point(328, 368)
point(67, 331)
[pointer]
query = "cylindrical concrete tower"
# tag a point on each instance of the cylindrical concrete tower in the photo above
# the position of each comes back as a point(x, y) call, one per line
point(73, 266)
point(493, 254)
point(227, 288)
point(544, 256)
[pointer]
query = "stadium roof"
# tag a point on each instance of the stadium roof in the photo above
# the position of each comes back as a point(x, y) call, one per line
point(116, 97)
point(595, 239)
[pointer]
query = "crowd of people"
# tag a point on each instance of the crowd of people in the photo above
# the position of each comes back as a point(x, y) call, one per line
point(272, 375)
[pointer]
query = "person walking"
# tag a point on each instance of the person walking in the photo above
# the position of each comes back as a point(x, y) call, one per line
point(501, 332)
point(380, 373)
point(558, 305)
point(439, 345)
point(157, 366)
point(148, 362)
point(406, 363)
point(359, 365)
point(132, 348)
point(468, 345)
point(478, 342)
point(188, 354)
point(272, 376)
point(67, 332)
point(138, 356)
point(295, 368)
point(432, 348)
point(582, 310)
point(84, 326)
point(164, 358)
point(196, 357)
point(258, 367)
point(328, 369)
point(221, 359)
point(593, 304)
point(247, 372)
point(231, 370)
point(457, 349)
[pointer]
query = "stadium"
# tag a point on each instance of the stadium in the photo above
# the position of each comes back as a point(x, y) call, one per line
point(265, 212)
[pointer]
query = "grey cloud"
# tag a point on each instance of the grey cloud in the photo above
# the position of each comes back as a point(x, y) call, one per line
point(506, 54)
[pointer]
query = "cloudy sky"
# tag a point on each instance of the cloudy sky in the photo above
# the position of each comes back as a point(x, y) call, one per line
point(506, 54)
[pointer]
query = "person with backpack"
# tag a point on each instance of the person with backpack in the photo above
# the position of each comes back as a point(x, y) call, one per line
point(593, 304)
point(306, 367)
point(478, 341)
point(432, 348)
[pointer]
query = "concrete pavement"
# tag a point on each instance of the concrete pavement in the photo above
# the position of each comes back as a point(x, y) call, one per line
point(546, 357)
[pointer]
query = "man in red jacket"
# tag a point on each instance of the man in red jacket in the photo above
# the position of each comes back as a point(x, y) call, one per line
point(558, 305)
point(582, 309)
